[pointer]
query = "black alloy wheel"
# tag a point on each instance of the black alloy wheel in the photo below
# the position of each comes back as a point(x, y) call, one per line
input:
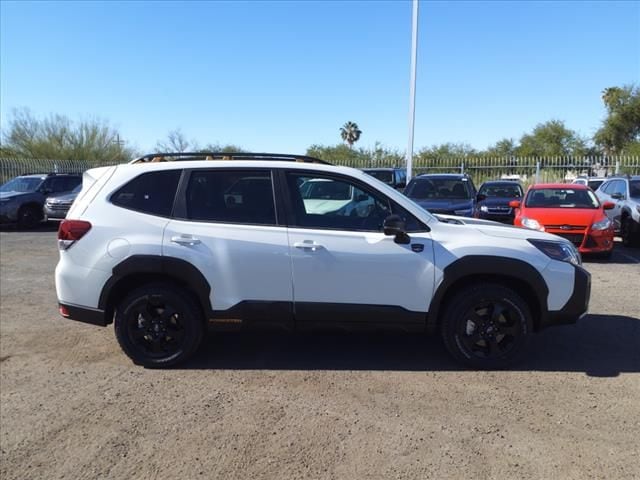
point(486, 326)
point(159, 326)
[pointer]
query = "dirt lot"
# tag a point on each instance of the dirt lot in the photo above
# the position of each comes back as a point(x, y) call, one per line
point(314, 406)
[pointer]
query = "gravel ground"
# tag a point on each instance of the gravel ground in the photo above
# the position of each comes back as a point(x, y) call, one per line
point(318, 406)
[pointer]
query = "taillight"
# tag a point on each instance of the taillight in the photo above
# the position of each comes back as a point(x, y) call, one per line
point(71, 231)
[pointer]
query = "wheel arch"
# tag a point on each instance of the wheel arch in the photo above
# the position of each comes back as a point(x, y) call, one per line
point(515, 274)
point(139, 270)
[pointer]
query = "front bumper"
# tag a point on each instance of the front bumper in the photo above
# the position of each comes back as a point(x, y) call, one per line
point(52, 212)
point(577, 305)
point(592, 241)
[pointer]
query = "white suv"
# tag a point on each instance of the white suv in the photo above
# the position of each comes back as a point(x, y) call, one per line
point(165, 249)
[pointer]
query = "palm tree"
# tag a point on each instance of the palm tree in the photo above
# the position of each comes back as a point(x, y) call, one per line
point(350, 133)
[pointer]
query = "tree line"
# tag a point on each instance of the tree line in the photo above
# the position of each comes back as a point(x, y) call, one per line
point(60, 138)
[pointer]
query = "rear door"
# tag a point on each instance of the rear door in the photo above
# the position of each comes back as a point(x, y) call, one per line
point(344, 268)
point(225, 223)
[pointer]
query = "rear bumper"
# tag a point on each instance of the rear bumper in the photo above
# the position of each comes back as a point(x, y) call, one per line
point(78, 313)
point(577, 305)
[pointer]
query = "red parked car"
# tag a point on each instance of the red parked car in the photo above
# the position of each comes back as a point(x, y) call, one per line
point(571, 211)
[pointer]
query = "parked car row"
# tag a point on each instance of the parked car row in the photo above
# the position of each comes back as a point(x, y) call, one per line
point(27, 200)
point(589, 220)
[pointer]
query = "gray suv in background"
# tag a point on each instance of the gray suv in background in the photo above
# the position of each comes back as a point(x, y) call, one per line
point(624, 193)
point(22, 198)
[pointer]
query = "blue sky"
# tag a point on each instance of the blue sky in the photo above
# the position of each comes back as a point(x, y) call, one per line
point(279, 76)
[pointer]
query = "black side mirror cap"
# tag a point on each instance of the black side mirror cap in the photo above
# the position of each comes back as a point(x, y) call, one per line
point(394, 225)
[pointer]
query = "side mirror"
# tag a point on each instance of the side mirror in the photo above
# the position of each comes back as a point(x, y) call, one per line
point(394, 225)
point(608, 205)
point(481, 197)
point(514, 203)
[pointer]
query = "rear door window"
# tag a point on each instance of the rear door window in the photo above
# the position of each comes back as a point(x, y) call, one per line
point(239, 196)
point(151, 193)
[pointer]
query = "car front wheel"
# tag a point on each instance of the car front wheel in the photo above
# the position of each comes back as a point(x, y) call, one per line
point(159, 325)
point(486, 326)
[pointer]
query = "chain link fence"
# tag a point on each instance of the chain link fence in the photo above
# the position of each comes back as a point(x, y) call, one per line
point(526, 169)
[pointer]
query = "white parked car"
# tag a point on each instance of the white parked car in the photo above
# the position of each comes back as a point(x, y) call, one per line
point(165, 249)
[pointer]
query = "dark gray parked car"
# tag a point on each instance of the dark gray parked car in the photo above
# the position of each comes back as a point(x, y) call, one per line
point(22, 198)
point(57, 206)
point(394, 177)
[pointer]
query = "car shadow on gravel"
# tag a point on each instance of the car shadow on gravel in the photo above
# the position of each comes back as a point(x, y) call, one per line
point(43, 227)
point(599, 345)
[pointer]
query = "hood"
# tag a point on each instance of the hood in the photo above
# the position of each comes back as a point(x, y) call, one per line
point(509, 231)
point(9, 195)
point(444, 205)
point(564, 216)
point(67, 197)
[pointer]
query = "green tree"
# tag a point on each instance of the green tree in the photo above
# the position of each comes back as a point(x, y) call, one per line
point(350, 133)
point(551, 139)
point(446, 150)
point(57, 137)
point(620, 130)
point(503, 148)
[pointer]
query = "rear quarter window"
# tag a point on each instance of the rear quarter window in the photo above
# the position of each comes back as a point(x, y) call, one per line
point(151, 193)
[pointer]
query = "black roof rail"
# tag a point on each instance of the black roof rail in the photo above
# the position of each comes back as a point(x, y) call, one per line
point(177, 156)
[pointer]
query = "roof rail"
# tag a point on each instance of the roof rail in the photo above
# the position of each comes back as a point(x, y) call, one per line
point(177, 156)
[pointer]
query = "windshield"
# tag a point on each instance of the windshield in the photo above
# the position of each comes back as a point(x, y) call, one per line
point(504, 190)
point(561, 198)
point(325, 190)
point(22, 184)
point(382, 175)
point(438, 188)
point(634, 188)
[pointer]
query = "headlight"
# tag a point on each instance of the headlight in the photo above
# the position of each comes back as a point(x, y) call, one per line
point(562, 251)
point(531, 223)
point(601, 225)
point(484, 209)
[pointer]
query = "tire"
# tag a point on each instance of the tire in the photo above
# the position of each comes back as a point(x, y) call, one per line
point(629, 239)
point(29, 217)
point(493, 340)
point(159, 325)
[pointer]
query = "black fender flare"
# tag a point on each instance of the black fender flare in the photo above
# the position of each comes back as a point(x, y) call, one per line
point(490, 266)
point(182, 271)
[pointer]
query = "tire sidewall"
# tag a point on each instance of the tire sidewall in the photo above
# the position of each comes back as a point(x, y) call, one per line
point(190, 317)
point(456, 311)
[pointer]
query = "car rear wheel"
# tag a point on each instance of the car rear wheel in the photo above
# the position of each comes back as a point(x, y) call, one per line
point(486, 327)
point(29, 217)
point(629, 239)
point(159, 325)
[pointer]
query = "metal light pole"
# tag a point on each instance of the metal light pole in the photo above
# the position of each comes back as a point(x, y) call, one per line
point(412, 87)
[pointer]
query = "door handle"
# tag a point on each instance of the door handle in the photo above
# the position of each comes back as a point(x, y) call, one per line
point(308, 245)
point(185, 240)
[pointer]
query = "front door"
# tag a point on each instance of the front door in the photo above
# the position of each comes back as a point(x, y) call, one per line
point(344, 268)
